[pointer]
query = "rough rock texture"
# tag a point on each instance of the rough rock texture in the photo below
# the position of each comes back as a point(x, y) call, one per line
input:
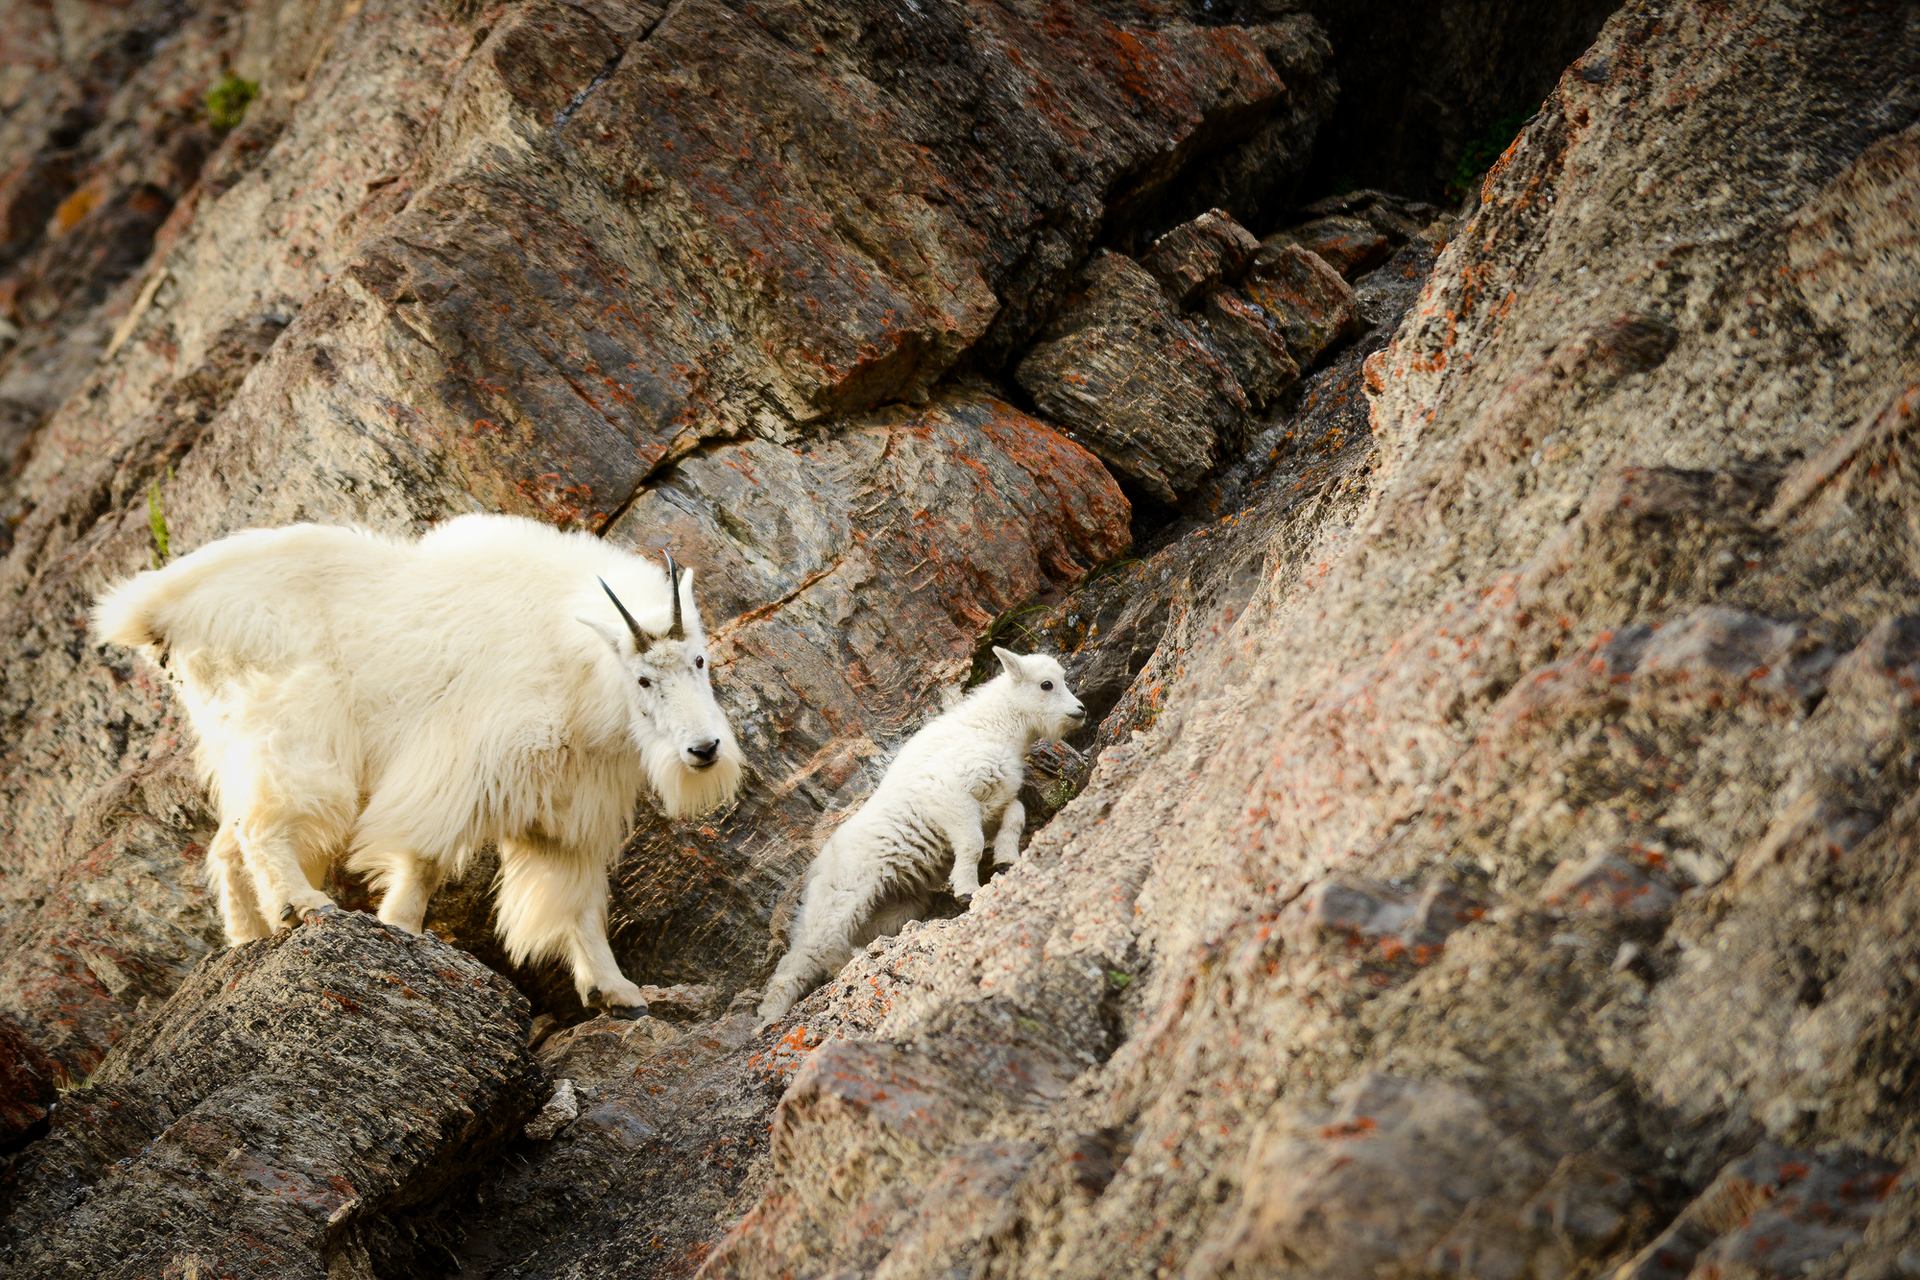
point(1495, 855)
point(280, 1115)
point(29, 1084)
point(583, 263)
point(1633, 579)
point(670, 1123)
point(1356, 231)
point(1136, 381)
point(1160, 365)
point(1208, 564)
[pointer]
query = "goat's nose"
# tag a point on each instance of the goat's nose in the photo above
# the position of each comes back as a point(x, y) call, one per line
point(705, 752)
point(1078, 713)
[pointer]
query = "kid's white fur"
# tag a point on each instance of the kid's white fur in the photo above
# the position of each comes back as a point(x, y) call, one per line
point(405, 702)
point(951, 781)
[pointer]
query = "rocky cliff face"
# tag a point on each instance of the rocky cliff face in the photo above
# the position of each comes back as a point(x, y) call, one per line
point(1495, 856)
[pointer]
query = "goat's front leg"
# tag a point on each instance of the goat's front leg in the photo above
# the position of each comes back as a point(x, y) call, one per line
point(410, 882)
point(962, 825)
point(553, 904)
point(1006, 841)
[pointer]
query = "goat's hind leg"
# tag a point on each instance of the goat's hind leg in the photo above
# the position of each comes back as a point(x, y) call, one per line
point(292, 801)
point(831, 915)
point(277, 854)
point(227, 876)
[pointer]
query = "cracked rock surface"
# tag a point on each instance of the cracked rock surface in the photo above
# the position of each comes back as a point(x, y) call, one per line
point(280, 1115)
point(1494, 855)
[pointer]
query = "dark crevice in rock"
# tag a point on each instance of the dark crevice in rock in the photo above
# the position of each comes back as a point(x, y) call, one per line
point(1426, 88)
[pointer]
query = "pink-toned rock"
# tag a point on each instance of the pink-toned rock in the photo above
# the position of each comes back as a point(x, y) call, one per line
point(1772, 1213)
point(1607, 884)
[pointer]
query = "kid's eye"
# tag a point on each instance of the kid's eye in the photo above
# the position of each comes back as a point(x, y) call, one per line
point(645, 683)
point(1046, 684)
point(700, 660)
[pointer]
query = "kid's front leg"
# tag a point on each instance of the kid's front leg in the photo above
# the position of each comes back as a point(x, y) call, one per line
point(1006, 841)
point(969, 840)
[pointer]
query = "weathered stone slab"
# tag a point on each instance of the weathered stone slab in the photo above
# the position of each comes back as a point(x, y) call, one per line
point(280, 1115)
point(1123, 370)
point(1198, 256)
point(1306, 297)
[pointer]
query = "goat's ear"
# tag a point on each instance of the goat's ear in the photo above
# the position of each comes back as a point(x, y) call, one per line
point(606, 633)
point(686, 598)
point(1011, 661)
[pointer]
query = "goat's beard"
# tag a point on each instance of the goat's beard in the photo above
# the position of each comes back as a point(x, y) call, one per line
point(686, 793)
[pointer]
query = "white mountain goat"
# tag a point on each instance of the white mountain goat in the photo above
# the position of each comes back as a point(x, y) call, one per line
point(405, 702)
point(952, 779)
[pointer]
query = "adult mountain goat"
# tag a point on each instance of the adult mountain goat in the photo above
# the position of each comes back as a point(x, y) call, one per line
point(405, 702)
point(960, 773)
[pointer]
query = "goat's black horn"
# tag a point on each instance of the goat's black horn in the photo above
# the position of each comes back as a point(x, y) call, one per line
point(640, 638)
point(678, 630)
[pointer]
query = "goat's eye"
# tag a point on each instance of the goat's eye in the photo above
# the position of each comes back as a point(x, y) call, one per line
point(1047, 685)
point(700, 660)
point(645, 683)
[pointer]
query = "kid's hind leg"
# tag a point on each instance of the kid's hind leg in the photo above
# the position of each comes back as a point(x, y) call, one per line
point(831, 916)
point(227, 876)
point(552, 904)
point(1006, 841)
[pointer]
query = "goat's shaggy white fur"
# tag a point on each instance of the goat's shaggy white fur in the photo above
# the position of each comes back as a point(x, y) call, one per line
point(406, 702)
point(951, 781)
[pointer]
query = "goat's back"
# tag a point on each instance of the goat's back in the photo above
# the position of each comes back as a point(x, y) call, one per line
point(259, 599)
point(476, 621)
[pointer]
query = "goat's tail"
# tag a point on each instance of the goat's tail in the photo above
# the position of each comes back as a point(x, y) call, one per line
point(125, 614)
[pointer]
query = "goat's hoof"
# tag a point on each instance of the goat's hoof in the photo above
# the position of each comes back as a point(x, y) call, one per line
point(291, 915)
point(624, 1012)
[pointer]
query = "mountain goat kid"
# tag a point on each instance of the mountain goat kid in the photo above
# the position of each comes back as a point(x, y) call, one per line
point(957, 774)
point(406, 702)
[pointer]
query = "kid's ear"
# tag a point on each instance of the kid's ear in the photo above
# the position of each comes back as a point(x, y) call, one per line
point(1011, 661)
point(606, 633)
